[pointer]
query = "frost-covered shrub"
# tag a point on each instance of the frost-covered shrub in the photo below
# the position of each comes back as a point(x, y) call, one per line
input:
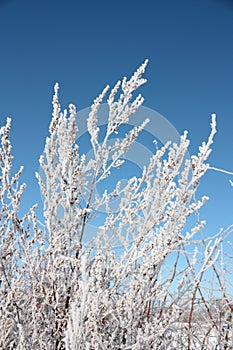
point(57, 293)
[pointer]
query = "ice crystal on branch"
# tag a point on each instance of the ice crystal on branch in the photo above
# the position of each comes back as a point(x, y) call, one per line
point(56, 292)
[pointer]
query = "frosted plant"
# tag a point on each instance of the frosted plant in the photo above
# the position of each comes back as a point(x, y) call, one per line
point(169, 287)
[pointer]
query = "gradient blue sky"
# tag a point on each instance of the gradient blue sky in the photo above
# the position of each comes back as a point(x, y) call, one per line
point(86, 44)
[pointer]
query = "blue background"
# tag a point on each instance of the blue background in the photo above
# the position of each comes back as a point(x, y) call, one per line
point(86, 44)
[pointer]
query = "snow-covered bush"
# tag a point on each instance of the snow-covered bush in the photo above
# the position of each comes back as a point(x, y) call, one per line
point(164, 290)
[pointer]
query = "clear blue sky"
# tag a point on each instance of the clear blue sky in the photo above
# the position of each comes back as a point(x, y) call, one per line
point(86, 44)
